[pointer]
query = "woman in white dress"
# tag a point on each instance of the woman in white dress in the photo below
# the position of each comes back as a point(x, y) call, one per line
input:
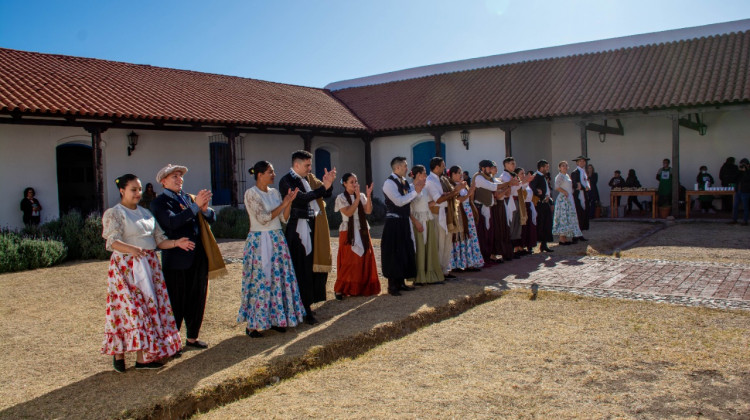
point(425, 234)
point(270, 294)
point(565, 221)
point(139, 316)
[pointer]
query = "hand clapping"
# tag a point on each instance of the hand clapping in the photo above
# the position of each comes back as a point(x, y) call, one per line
point(202, 199)
point(329, 177)
point(290, 196)
point(369, 190)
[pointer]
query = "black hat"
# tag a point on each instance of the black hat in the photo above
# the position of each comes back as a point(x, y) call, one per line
point(581, 157)
point(486, 163)
point(744, 161)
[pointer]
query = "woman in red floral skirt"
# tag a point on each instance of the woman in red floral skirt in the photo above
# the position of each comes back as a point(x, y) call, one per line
point(139, 316)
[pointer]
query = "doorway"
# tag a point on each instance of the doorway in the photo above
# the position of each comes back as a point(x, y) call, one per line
point(76, 188)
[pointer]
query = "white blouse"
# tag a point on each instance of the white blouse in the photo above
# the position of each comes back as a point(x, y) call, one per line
point(134, 227)
point(563, 181)
point(259, 205)
point(342, 203)
point(420, 207)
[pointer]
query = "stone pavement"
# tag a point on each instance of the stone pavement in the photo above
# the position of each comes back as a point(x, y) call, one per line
point(686, 283)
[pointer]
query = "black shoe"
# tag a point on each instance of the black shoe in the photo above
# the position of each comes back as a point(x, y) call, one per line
point(310, 319)
point(152, 365)
point(197, 344)
point(279, 329)
point(574, 241)
point(449, 276)
point(119, 365)
point(472, 270)
point(253, 333)
point(566, 243)
point(582, 239)
point(406, 288)
point(339, 296)
point(178, 354)
point(394, 293)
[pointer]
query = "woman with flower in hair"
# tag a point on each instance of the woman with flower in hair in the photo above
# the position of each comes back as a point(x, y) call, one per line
point(139, 313)
point(356, 266)
point(425, 234)
point(270, 293)
point(466, 254)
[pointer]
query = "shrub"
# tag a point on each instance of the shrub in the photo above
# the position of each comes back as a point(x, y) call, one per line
point(231, 223)
point(19, 252)
point(92, 243)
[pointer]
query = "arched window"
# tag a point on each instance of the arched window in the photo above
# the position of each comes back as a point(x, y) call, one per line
point(424, 151)
point(322, 161)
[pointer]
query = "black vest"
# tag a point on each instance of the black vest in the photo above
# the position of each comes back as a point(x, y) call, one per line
point(391, 207)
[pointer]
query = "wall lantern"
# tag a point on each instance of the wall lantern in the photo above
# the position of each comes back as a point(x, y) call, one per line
point(602, 137)
point(702, 129)
point(132, 142)
point(465, 138)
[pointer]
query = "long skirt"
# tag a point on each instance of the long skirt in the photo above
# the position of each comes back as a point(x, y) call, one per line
point(565, 221)
point(357, 276)
point(528, 230)
point(466, 252)
point(500, 229)
point(484, 233)
point(139, 315)
point(397, 249)
point(270, 294)
point(428, 258)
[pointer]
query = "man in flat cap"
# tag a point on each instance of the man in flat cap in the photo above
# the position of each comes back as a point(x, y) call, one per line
point(185, 272)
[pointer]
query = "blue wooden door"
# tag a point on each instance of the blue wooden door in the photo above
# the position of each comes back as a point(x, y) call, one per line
point(423, 152)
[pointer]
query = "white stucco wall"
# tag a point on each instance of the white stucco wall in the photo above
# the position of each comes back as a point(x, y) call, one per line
point(28, 158)
point(646, 142)
point(347, 154)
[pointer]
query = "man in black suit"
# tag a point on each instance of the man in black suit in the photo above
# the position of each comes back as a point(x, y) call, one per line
point(300, 229)
point(543, 201)
point(185, 272)
point(581, 188)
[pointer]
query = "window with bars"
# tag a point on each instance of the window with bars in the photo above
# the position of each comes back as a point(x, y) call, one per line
point(221, 170)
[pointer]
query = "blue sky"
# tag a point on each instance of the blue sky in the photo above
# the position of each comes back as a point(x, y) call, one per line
point(313, 43)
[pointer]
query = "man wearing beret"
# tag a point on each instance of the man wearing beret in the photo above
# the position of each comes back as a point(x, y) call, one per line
point(185, 272)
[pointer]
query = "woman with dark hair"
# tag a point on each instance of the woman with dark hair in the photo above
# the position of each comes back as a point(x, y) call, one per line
point(356, 266)
point(30, 207)
point(139, 314)
point(424, 231)
point(466, 254)
point(148, 196)
point(565, 222)
point(270, 293)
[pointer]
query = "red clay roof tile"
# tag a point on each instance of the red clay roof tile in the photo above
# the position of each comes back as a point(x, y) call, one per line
point(57, 84)
point(708, 70)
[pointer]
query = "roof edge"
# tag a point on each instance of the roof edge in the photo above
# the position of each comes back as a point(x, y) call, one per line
point(629, 41)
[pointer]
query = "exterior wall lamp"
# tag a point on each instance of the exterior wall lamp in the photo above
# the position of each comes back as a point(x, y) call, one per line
point(132, 142)
point(465, 138)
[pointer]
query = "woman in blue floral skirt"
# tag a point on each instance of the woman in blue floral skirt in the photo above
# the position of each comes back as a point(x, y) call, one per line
point(270, 294)
point(565, 221)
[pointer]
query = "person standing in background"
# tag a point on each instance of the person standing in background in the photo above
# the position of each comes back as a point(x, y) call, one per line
point(32, 210)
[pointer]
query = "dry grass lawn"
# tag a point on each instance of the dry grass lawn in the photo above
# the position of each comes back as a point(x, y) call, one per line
point(560, 356)
point(53, 322)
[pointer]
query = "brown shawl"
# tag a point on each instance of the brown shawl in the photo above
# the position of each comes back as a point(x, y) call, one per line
point(452, 218)
point(462, 221)
point(216, 267)
point(322, 262)
point(363, 232)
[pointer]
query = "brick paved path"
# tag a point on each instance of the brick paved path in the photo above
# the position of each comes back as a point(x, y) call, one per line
point(690, 283)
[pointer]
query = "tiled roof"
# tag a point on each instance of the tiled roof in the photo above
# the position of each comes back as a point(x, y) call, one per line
point(704, 71)
point(56, 84)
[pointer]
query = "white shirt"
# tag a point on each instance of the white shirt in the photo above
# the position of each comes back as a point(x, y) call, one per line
point(435, 190)
point(391, 191)
point(259, 205)
point(584, 177)
point(483, 183)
